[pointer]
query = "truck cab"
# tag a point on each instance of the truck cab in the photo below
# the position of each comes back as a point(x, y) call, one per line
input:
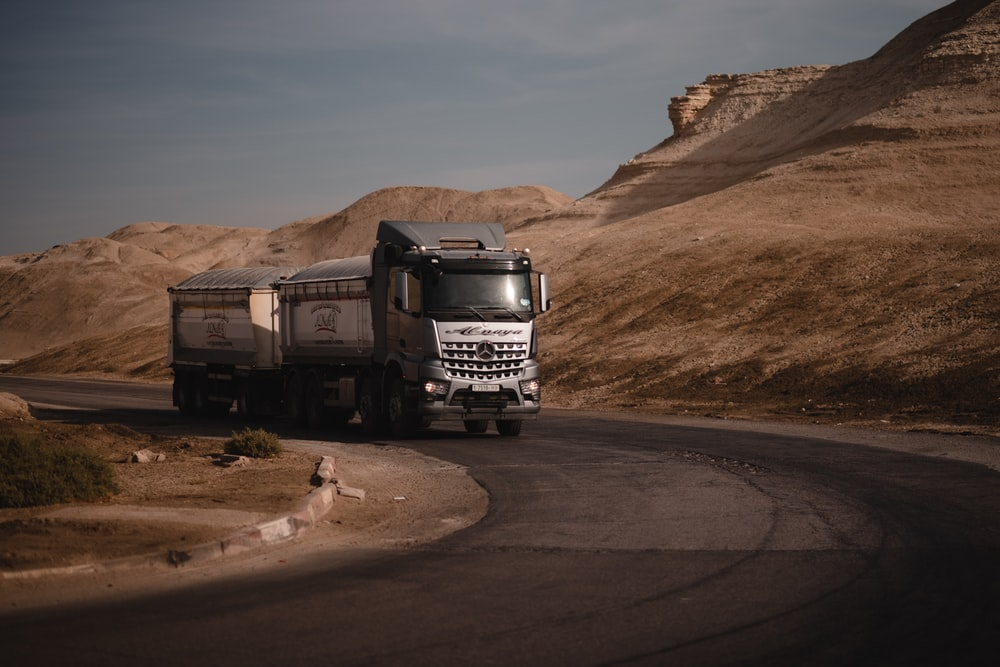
point(457, 340)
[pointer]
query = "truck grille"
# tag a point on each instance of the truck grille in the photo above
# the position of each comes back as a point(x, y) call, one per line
point(502, 360)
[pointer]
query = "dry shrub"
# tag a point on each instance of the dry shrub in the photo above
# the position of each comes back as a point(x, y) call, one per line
point(255, 443)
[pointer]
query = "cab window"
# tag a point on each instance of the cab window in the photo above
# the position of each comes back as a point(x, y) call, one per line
point(409, 300)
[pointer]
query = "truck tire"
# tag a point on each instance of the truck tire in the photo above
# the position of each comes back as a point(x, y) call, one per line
point(245, 403)
point(401, 422)
point(199, 393)
point(476, 425)
point(509, 427)
point(184, 394)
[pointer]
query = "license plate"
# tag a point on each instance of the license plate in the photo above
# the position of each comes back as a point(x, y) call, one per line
point(485, 388)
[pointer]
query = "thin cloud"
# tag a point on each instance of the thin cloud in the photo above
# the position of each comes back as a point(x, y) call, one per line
point(116, 110)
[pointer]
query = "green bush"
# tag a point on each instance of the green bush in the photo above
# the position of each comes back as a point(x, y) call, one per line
point(255, 443)
point(33, 472)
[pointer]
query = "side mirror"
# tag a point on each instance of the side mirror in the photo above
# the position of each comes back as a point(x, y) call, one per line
point(543, 293)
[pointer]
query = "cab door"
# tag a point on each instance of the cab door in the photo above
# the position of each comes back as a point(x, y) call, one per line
point(403, 326)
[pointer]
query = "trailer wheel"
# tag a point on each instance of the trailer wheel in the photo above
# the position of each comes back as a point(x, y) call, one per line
point(509, 427)
point(199, 395)
point(400, 422)
point(476, 425)
point(244, 402)
point(184, 394)
point(293, 399)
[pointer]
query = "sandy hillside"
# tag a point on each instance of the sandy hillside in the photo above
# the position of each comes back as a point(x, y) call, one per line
point(352, 231)
point(819, 241)
point(102, 288)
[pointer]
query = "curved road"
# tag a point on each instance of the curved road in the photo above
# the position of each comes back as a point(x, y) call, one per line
point(609, 541)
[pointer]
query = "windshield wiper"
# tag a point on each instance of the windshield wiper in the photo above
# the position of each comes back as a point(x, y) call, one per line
point(482, 318)
point(513, 313)
point(510, 311)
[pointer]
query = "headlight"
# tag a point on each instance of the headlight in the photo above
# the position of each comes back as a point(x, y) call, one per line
point(531, 389)
point(436, 390)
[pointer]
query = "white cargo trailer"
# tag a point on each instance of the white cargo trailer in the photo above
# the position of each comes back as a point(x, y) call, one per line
point(223, 341)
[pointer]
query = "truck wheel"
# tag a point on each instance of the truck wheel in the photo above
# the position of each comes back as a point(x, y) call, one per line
point(199, 395)
point(184, 395)
point(245, 403)
point(401, 423)
point(293, 400)
point(509, 427)
point(476, 425)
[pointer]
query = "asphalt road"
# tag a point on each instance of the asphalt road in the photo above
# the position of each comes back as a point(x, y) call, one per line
point(609, 540)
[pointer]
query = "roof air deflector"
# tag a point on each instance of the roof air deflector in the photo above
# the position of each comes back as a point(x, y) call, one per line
point(442, 235)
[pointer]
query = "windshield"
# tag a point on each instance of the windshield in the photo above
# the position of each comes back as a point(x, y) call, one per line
point(481, 291)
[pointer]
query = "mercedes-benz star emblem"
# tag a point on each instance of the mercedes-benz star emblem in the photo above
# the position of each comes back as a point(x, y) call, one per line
point(485, 350)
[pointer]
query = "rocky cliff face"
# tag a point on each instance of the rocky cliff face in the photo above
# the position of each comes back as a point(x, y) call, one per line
point(733, 127)
point(957, 45)
point(685, 108)
point(736, 98)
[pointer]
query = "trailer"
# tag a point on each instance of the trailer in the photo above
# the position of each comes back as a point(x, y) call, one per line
point(223, 341)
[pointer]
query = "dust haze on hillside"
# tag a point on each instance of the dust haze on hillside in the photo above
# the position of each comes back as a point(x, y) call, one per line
point(818, 242)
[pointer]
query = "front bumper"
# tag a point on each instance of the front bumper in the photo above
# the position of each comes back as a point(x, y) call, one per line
point(445, 398)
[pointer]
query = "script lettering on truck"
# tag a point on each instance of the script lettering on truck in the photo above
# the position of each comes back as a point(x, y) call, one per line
point(483, 331)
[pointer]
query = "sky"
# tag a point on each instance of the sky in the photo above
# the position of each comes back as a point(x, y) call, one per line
point(258, 113)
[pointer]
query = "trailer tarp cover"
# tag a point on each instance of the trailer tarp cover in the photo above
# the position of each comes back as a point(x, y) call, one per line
point(260, 277)
point(437, 235)
point(335, 269)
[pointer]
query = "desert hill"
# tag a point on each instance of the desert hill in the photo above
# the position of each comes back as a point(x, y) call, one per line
point(816, 240)
point(102, 287)
point(819, 240)
point(352, 231)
